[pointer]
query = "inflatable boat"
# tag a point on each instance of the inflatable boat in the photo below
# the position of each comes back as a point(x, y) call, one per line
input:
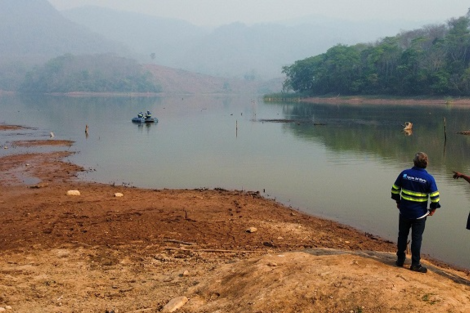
point(145, 120)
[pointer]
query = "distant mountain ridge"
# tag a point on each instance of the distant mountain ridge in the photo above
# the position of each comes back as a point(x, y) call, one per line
point(34, 29)
point(235, 49)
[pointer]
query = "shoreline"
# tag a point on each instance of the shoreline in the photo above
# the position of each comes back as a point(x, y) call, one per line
point(133, 249)
point(385, 101)
point(71, 171)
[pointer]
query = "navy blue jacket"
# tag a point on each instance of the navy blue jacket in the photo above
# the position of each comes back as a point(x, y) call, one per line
point(411, 191)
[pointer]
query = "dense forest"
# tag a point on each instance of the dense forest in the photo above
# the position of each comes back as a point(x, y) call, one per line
point(431, 61)
point(89, 73)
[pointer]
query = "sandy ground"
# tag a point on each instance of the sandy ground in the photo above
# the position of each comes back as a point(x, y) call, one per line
point(190, 251)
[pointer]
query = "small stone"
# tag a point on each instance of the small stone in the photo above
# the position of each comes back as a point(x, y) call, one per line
point(40, 185)
point(73, 193)
point(186, 273)
point(175, 304)
point(2, 309)
point(251, 230)
point(118, 195)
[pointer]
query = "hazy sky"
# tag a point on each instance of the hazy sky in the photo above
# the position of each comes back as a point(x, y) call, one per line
point(217, 12)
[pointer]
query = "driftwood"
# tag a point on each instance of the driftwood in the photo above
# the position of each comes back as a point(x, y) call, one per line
point(181, 242)
point(464, 132)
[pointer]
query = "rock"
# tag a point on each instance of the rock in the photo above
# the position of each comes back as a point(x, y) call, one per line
point(186, 273)
point(251, 230)
point(118, 195)
point(175, 304)
point(73, 193)
point(2, 309)
point(40, 185)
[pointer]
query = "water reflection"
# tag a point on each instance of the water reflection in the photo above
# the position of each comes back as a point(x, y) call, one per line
point(144, 127)
point(378, 130)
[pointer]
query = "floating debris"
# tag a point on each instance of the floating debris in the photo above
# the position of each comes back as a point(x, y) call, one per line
point(408, 126)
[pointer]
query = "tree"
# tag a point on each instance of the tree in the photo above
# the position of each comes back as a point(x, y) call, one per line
point(301, 74)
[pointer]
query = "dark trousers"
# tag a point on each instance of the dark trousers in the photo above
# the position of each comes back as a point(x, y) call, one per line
point(417, 229)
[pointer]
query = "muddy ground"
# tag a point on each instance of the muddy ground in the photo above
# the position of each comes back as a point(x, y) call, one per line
point(125, 249)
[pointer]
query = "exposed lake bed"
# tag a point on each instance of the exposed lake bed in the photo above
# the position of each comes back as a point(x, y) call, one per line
point(97, 252)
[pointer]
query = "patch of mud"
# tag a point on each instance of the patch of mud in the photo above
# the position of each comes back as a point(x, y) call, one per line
point(37, 143)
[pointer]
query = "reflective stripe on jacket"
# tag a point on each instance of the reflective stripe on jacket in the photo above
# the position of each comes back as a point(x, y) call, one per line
point(412, 189)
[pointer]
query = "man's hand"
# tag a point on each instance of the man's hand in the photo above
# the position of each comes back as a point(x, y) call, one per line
point(431, 212)
point(456, 175)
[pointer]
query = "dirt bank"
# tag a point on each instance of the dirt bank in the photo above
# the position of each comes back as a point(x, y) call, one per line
point(124, 249)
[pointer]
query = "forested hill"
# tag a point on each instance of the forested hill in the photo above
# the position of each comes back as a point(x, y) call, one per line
point(433, 60)
point(89, 73)
point(110, 73)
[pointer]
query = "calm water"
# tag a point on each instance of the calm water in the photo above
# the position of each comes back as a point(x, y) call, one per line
point(342, 170)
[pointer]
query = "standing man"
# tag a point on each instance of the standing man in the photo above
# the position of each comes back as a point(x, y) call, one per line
point(411, 191)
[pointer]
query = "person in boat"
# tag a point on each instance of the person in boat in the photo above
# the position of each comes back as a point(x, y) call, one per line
point(140, 115)
point(148, 114)
point(411, 191)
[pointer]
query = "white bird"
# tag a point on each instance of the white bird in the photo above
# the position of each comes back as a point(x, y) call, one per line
point(52, 135)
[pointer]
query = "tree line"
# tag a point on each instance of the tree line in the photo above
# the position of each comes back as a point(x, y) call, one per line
point(433, 61)
point(88, 73)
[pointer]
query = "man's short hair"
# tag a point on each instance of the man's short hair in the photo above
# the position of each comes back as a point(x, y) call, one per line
point(421, 160)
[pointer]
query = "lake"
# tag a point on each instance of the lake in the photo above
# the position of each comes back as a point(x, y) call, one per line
point(334, 161)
